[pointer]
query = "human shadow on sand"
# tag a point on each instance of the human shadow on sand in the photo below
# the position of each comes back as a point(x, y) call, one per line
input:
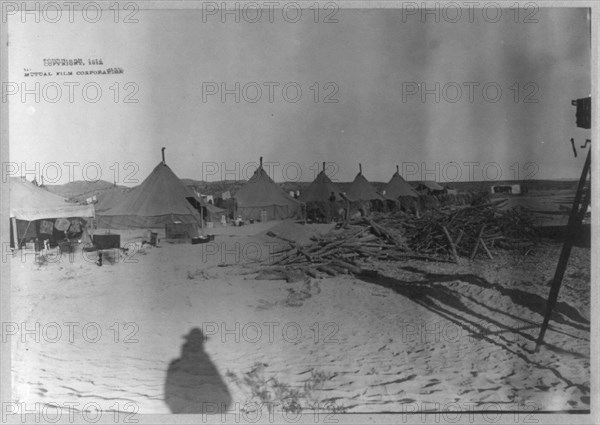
point(193, 383)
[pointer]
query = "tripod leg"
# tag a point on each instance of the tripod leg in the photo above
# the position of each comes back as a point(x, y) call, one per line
point(574, 223)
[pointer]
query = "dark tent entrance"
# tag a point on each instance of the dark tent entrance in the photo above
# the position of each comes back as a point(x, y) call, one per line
point(45, 230)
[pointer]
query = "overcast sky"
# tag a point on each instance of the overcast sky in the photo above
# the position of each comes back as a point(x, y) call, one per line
point(373, 58)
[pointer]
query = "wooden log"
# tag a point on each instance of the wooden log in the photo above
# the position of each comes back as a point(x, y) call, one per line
point(479, 239)
point(328, 270)
point(341, 270)
point(382, 231)
point(351, 267)
point(406, 256)
point(453, 248)
point(486, 249)
point(369, 273)
point(285, 258)
point(459, 238)
point(312, 273)
point(291, 242)
point(308, 257)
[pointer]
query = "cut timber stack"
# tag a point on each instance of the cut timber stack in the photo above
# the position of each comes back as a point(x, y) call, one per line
point(340, 252)
point(443, 234)
point(461, 231)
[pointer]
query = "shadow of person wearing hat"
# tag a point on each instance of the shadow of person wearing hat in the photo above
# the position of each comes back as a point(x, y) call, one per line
point(193, 383)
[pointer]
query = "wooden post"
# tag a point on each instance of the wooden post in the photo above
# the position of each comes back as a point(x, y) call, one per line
point(452, 246)
point(201, 217)
point(489, 254)
point(13, 222)
point(459, 238)
point(477, 242)
point(572, 226)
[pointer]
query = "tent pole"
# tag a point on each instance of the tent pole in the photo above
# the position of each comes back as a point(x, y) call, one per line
point(13, 223)
point(201, 218)
point(25, 233)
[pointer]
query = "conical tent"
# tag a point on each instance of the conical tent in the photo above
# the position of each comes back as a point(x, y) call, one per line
point(260, 194)
point(161, 199)
point(362, 190)
point(110, 198)
point(320, 189)
point(397, 187)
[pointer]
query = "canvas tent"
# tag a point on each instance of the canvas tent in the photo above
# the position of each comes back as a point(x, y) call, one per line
point(429, 186)
point(213, 213)
point(210, 211)
point(398, 188)
point(161, 199)
point(361, 190)
point(317, 198)
point(261, 194)
point(320, 189)
point(29, 204)
point(110, 198)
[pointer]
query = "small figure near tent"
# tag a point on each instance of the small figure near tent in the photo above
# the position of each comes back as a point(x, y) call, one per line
point(332, 210)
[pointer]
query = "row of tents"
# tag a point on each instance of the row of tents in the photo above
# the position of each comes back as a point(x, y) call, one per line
point(162, 198)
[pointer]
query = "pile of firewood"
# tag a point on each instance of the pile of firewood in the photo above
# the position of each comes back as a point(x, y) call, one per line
point(465, 231)
point(442, 234)
point(342, 251)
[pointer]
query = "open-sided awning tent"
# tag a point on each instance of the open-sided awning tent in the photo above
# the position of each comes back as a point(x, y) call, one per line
point(261, 193)
point(210, 211)
point(361, 190)
point(213, 213)
point(161, 199)
point(29, 203)
point(397, 188)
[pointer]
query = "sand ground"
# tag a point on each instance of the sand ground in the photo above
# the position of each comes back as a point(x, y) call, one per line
point(422, 333)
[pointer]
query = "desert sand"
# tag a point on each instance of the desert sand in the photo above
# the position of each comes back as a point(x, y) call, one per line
point(165, 328)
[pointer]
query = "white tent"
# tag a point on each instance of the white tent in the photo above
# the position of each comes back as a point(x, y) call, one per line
point(30, 203)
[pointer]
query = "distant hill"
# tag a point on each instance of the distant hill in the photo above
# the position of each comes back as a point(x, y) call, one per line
point(80, 190)
point(214, 188)
point(531, 185)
